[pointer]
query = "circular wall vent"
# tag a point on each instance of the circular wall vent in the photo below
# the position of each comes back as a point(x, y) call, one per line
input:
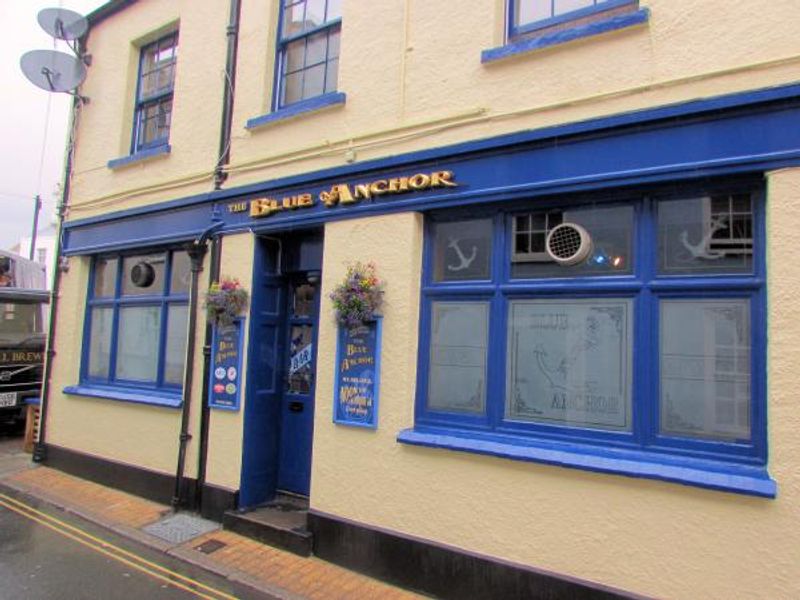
point(568, 244)
point(143, 275)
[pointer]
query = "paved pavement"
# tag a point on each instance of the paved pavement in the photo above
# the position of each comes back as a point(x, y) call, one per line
point(237, 558)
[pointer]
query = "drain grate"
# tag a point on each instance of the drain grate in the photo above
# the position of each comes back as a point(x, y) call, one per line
point(210, 546)
point(180, 528)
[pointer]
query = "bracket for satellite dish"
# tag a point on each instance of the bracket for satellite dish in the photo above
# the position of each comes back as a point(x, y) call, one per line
point(54, 71)
point(67, 25)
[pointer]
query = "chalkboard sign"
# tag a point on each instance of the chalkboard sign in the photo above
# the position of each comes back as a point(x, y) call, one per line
point(226, 367)
point(357, 375)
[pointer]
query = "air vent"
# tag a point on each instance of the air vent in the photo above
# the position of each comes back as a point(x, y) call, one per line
point(568, 244)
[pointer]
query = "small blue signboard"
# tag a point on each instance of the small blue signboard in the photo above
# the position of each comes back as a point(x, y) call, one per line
point(358, 367)
point(226, 367)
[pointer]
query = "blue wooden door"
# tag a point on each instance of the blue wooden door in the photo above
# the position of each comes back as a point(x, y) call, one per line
point(297, 403)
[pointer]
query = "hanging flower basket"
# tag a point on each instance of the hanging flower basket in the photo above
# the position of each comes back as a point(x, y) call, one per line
point(357, 300)
point(225, 301)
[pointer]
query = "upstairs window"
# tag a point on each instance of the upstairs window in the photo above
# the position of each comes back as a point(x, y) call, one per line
point(308, 50)
point(154, 93)
point(526, 16)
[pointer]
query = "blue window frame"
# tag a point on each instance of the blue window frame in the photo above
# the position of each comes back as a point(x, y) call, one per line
point(154, 92)
point(526, 16)
point(308, 50)
point(136, 319)
point(651, 342)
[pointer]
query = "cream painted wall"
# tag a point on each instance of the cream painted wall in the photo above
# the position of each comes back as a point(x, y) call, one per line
point(423, 85)
point(657, 539)
point(135, 434)
point(226, 427)
point(105, 123)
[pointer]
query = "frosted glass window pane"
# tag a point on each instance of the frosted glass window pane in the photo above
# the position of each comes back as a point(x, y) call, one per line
point(462, 250)
point(137, 344)
point(176, 344)
point(712, 234)
point(105, 277)
point(569, 362)
point(705, 368)
point(181, 273)
point(457, 379)
point(100, 342)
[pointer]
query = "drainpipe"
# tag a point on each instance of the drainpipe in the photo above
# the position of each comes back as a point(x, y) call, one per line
point(40, 448)
point(205, 411)
point(232, 32)
point(197, 251)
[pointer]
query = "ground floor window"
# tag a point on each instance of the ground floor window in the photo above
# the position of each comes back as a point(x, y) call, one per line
point(634, 321)
point(136, 320)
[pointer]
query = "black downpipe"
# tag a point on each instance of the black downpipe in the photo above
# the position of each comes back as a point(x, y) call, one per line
point(228, 94)
point(205, 411)
point(40, 448)
point(197, 251)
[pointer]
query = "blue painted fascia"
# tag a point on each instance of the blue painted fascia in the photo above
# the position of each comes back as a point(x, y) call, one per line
point(563, 36)
point(139, 156)
point(133, 395)
point(312, 105)
point(670, 111)
point(725, 477)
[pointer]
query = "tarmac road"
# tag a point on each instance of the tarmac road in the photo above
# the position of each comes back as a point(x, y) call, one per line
point(49, 554)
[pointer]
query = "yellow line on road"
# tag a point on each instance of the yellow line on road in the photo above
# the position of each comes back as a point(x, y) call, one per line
point(119, 554)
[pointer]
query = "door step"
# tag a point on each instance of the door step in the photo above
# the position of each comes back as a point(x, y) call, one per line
point(280, 523)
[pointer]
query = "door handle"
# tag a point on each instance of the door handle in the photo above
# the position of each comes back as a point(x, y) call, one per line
point(296, 407)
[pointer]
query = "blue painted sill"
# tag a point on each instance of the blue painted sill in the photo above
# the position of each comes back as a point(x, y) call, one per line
point(298, 108)
point(172, 400)
point(566, 35)
point(124, 161)
point(725, 477)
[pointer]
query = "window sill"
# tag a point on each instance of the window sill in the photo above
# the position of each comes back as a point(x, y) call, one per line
point(136, 396)
point(563, 36)
point(141, 155)
point(725, 477)
point(298, 109)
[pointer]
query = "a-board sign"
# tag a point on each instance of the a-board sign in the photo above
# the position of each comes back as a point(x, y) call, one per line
point(226, 367)
point(357, 375)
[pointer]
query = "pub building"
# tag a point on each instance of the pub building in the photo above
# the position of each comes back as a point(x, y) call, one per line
point(584, 320)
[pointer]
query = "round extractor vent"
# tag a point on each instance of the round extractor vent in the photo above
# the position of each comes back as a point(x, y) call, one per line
point(143, 275)
point(568, 244)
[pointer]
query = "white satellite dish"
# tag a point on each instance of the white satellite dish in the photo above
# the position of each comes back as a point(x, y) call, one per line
point(62, 24)
point(52, 70)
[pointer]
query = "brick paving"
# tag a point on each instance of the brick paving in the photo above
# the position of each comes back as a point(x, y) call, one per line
point(274, 570)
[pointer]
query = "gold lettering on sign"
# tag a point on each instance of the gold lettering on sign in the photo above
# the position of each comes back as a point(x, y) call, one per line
point(237, 207)
point(345, 194)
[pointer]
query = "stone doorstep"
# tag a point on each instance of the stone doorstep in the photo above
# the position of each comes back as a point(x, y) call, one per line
point(281, 523)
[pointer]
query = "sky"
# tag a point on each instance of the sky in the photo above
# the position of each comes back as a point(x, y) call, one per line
point(32, 142)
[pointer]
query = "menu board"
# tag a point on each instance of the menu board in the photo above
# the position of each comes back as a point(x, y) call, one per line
point(226, 367)
point(357, 375)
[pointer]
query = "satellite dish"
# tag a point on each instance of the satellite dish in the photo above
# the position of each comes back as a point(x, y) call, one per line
point(52, 70)
point(62, 24)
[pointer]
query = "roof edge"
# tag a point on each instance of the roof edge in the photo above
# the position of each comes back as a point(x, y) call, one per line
point(108, 9)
